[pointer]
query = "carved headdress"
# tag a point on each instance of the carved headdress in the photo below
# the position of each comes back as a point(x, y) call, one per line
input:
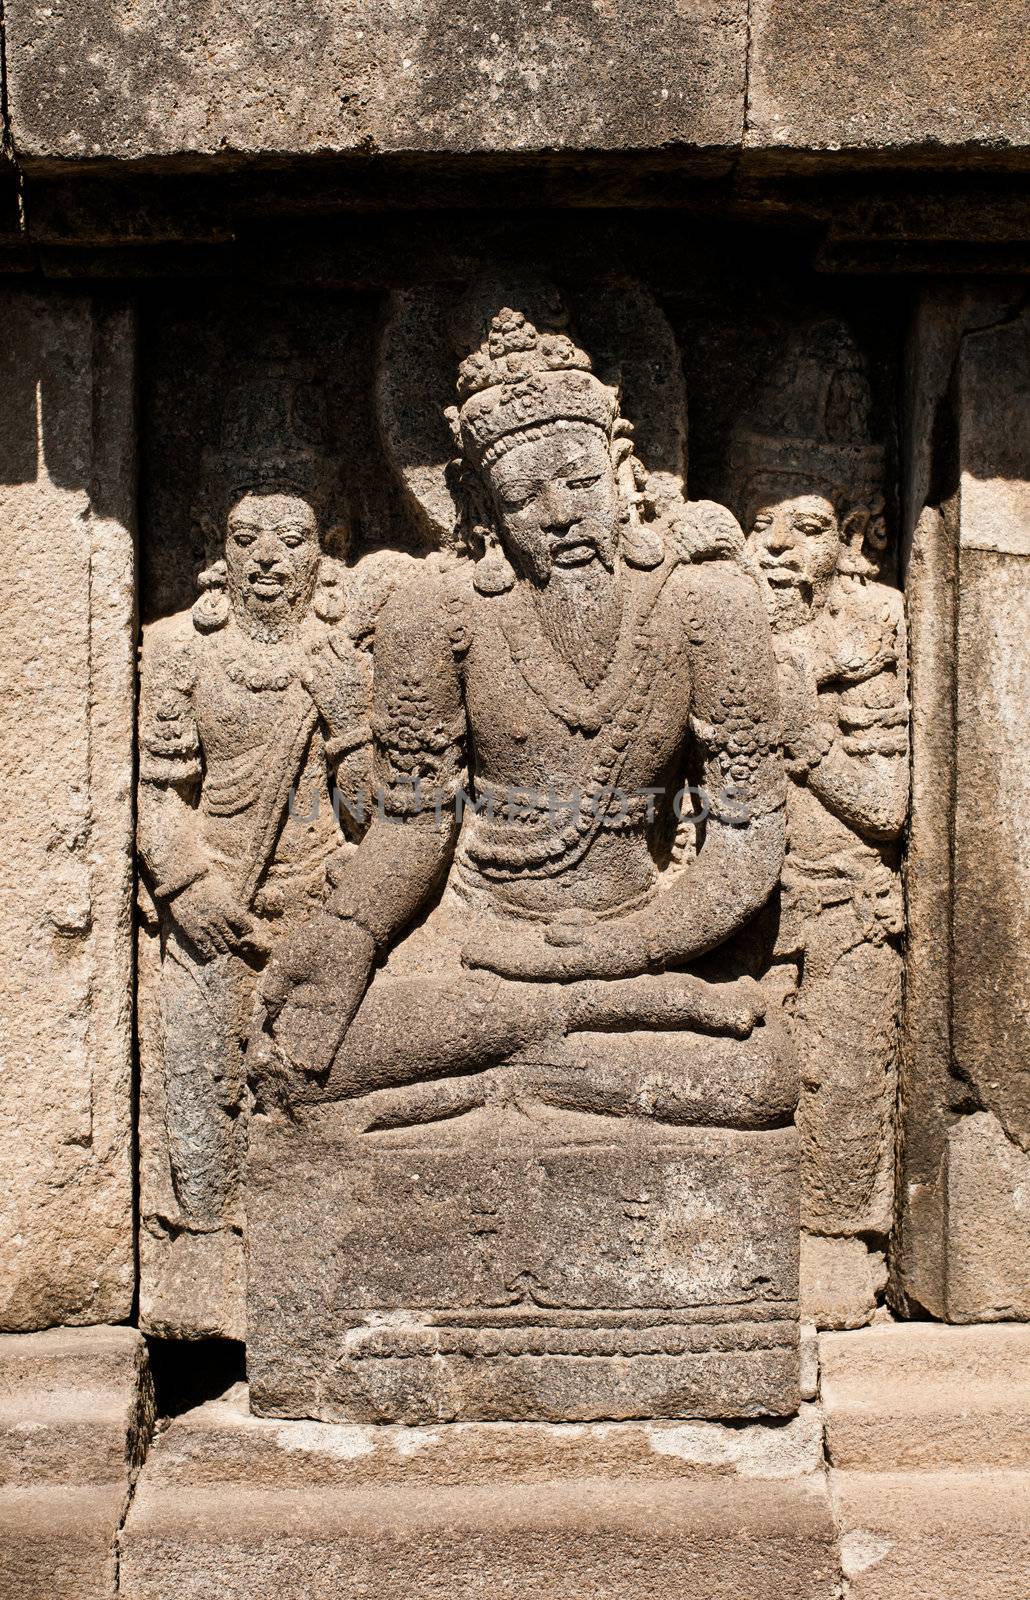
point(273, 438)
point(519, 381)
point(272, 441)
point(812, 421)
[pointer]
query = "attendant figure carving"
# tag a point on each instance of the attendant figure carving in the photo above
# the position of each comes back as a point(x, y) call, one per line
point(254, 705)
point(811, 483)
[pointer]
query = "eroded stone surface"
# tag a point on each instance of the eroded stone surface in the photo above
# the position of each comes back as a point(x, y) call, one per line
point(988, 1222)
point(67, 453)
point(76, 1414)
point(254, 761)
point(244, 1504)
point(810, 481)
point(96, 81)
point(842, 1281)
point(935, 1535)
point(505, 1266)
point(826, 77)
point(924, 1397)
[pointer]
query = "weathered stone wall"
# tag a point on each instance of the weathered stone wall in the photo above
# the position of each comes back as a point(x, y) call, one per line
point(68, 643)
point(963, 1196)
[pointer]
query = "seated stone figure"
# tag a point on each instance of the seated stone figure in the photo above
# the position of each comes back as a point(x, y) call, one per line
point(502, 963)
point(536, 712)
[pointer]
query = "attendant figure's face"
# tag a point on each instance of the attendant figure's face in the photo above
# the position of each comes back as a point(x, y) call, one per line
point(271, 556)
point(795, 545)
point(557, 503)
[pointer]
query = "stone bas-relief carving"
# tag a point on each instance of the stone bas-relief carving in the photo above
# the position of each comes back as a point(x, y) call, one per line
point(539, 1168)
point(811, 482)
point(254, 755)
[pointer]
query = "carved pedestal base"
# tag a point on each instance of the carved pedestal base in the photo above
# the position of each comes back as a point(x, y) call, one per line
point(253, 1509)
point(522, 1263)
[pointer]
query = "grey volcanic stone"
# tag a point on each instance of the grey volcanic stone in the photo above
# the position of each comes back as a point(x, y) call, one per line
point(501, 1266)
point(827, 77)
point(307, 76)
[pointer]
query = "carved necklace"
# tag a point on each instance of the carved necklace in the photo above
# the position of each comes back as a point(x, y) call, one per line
point(554, 682)
point(262, 667)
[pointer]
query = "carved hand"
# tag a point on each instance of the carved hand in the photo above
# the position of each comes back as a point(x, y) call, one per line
point(335, 683)
point(209, 913)
point(314, 985)
point(805, 731)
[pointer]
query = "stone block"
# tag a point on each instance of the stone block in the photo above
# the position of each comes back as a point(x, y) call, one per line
point(58, 1543)
point(238, 1505)
point(934, 1535)
point(867, 77)
point(67, 495)
point(991, 919)
point(76, 1413)
point(841, 1281)
point(93, 81)
point(76, 1406)
point(549, 1267)
point(922, 1397)
point(988, 1223)
point(993, 377)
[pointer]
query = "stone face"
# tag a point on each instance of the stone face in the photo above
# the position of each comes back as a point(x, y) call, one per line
point(67, 495)
point(922, 1397)
point(95, 82)
point(992, 837)
point(522, 1267)
point(826, 78)
point(240, 1505)
point(960, 1245)
point(842, 1281)
point(76, 1414)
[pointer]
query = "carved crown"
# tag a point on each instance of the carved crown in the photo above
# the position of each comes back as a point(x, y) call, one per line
point(812, 419)
point(273, 437)
point(520, 379)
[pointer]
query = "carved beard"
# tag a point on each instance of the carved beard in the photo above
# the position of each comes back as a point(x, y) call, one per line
point(269, 621)
point(581, 610)
point(790, 607)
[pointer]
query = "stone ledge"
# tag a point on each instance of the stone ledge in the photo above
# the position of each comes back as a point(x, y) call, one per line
point(241, 1506)
point(922, 1397)
point(87, 82)
point(934, 1535)
point(76, 1411)
point(909, 81)
point(824, 85)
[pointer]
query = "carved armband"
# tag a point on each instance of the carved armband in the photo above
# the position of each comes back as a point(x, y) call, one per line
point(168, 737)
point(744, 751)
point(420, 762)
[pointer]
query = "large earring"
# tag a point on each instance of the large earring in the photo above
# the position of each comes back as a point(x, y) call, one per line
point(211, 610)
point(642, 545)
point(329, 603)
point(493, 572)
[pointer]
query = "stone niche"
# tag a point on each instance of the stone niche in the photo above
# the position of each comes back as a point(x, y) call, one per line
point(506, 1086)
